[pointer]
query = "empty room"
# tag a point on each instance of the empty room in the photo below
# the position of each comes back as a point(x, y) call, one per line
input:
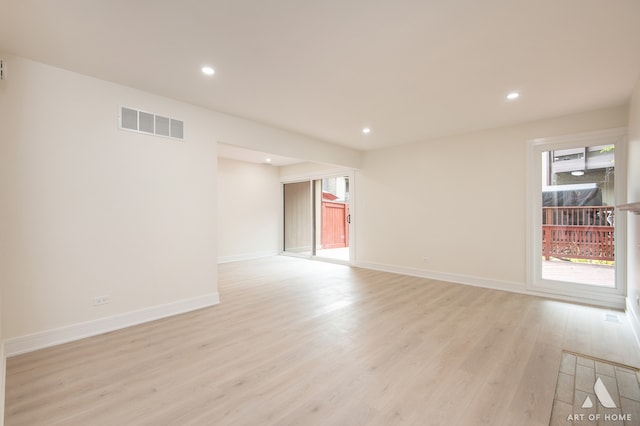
point(320, 213)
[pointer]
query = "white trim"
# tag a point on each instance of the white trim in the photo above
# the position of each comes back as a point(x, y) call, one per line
point(3, 380)
point(634, 321)
point(44, 339)
point(328, 173)
point(614, 302)
point(444, 276)
point(247, 256)
point(588, 138)
point(353, 213)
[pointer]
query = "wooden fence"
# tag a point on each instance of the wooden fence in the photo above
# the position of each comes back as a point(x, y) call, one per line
point(335, 226)
point(585, 232)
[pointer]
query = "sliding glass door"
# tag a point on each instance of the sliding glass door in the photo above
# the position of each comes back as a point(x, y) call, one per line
point(298, 218)
point(317, 218)
point(333, 217)
point(576, 236)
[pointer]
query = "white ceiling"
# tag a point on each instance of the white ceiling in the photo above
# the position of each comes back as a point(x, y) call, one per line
point(411, 70)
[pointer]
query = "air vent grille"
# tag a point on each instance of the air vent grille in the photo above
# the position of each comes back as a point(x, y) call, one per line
point(149, 123)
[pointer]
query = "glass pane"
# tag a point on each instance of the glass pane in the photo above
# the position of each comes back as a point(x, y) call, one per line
point(578, 215)
point(297, 218)
point(332, 218)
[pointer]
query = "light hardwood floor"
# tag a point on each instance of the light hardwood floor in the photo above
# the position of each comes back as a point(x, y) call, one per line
point(298, 342)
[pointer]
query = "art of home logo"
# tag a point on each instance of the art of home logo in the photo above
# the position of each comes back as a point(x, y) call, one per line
point(605, 399)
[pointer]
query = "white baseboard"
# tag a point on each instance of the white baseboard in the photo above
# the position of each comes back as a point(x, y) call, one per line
point(443, 276)
point(514, 287)
point(634, 319)
point(44, 339)
point(247, 256)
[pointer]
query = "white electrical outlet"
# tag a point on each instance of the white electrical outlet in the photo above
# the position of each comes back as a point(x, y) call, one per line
point(100, 300)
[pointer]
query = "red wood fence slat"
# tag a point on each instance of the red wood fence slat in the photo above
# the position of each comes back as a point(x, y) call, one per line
point(335, 229)
point(578, 232)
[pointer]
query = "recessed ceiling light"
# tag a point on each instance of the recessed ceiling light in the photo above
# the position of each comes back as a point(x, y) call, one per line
point(267, 160)
point(577, 173)
point(513, 95)
point(208, 71)
point(366, 130)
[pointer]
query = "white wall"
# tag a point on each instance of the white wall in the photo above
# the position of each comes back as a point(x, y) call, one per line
point(249, 204)
point(633, 195)
point(459, 202)
point(92, 210)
